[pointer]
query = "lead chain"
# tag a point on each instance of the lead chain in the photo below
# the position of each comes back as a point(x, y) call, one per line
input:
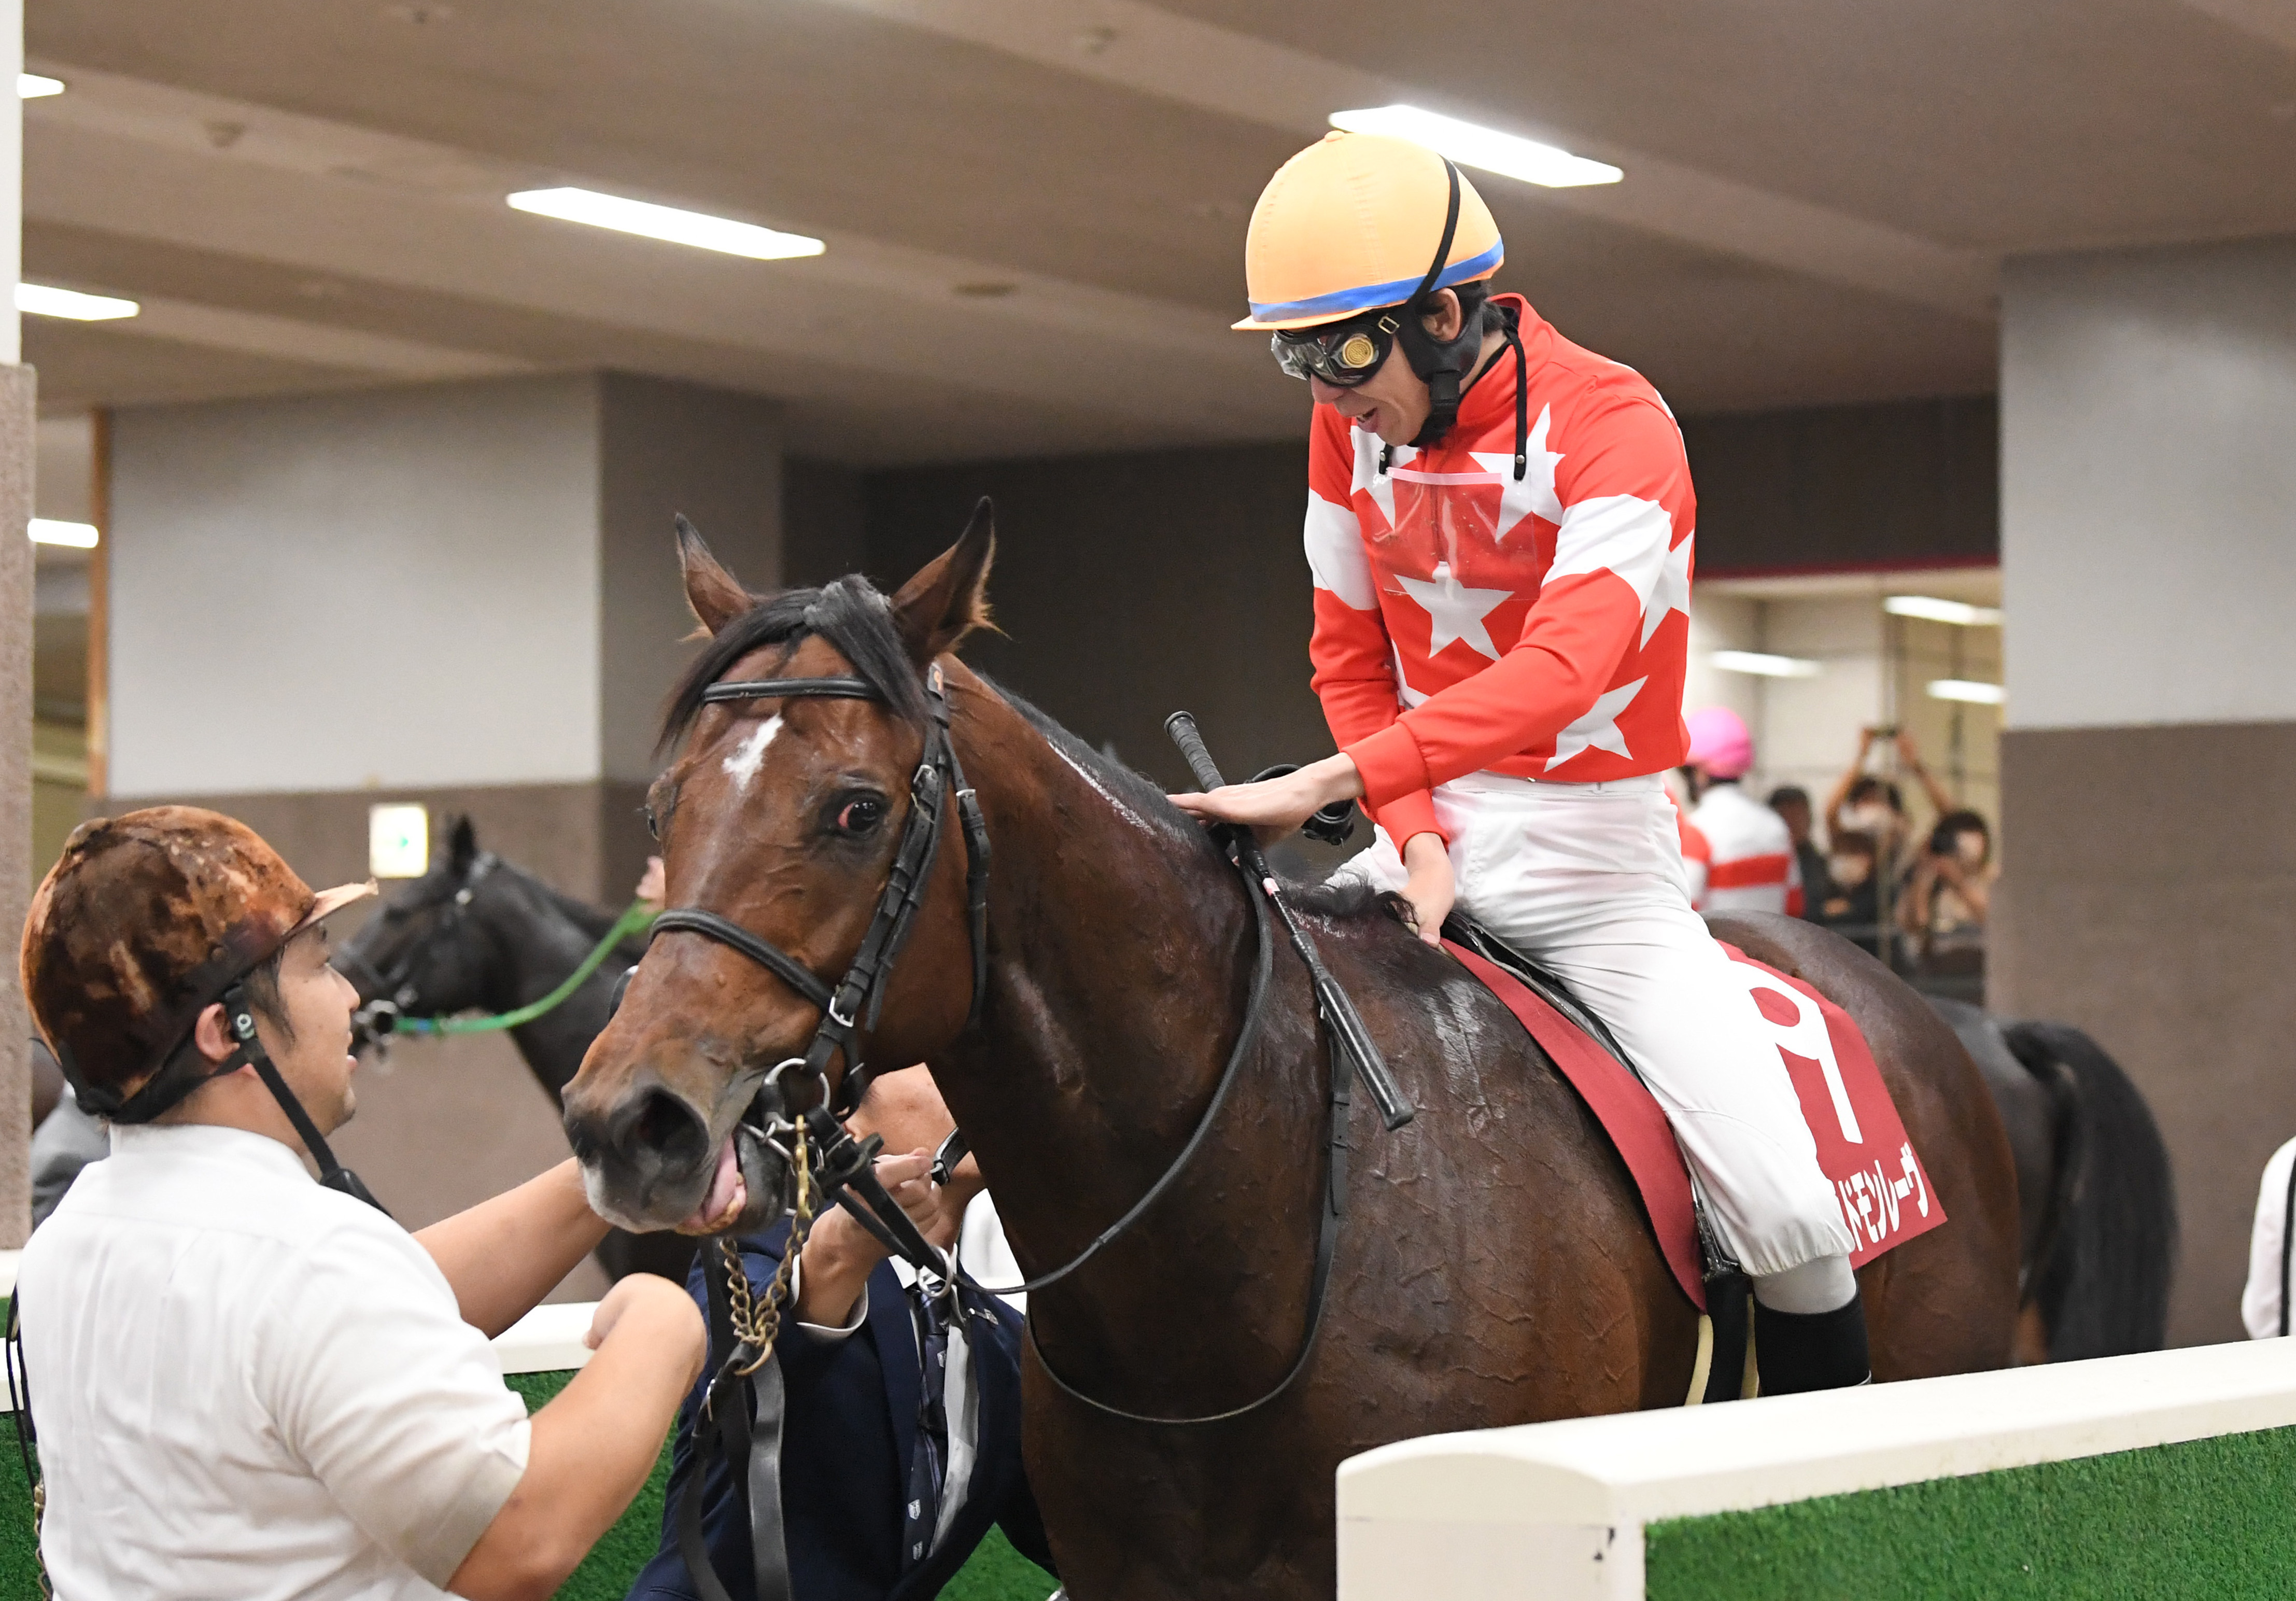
point(755, 1324)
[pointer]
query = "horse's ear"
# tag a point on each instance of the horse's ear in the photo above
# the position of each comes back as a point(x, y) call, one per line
point(716, 594)
point(949, 598)
point(462, 845)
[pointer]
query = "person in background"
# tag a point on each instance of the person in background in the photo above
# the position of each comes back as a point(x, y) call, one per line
point(1867, 803)
point(2264, 1305)
point(249, 1383)
point(1949, 896)
point(1854, 909)
point(63, 1141)
point(1791, 803)
point(901, 1443)
point(1753, 867)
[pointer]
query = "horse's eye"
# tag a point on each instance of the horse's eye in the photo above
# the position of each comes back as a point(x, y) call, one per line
point(860, 814)
point(654, 825)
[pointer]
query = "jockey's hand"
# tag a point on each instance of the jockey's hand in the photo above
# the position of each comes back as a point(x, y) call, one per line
point(1430, 888)
point(1276, 809)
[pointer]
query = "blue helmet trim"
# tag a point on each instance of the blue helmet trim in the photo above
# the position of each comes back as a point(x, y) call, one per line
point(1346, 302)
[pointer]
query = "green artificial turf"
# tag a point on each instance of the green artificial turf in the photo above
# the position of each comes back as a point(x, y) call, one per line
point(2207, 1518)
point(996, 1572)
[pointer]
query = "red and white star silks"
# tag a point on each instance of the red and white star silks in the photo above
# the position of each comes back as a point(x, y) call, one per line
point(1468, 622)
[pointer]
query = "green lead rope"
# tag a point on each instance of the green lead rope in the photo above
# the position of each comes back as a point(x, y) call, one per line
point(634, 920)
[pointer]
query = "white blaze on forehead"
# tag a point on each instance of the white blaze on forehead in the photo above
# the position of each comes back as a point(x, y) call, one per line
point(742, 765)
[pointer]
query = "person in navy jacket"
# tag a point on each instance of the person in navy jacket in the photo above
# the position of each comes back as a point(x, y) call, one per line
point(888, 1483)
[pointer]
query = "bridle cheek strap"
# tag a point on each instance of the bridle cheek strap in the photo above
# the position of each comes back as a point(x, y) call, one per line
point(851, 1006)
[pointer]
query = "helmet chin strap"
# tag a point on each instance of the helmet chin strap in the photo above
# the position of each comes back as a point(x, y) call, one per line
point(1442, 366)
point(239, 1015)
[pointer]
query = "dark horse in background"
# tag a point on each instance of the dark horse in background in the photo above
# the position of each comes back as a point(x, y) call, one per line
point(478, 934)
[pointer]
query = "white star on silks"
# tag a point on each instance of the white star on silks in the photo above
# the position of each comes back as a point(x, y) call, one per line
point(1534, 493)
point(1672, 592)
point(1455, 612)
point(1599, 728)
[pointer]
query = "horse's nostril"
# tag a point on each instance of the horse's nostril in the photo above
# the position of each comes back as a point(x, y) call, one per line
point(664, 1128)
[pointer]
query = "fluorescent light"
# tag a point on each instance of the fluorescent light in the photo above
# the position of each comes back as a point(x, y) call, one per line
point(42, 300)
point(1930, 607)
point(1766, 666)
point(1967, 689)
point(667, 223)
point(31, 85)
point(47, 530)
point(1485, 148)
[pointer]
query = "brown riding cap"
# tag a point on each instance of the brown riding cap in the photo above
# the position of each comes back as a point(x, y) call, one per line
point(143, 921)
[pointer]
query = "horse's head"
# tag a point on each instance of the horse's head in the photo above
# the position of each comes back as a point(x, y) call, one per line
point(420, 954)
point(783, 815)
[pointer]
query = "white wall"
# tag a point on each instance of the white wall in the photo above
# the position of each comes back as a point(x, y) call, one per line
point(2148, 507)
point(393, 587)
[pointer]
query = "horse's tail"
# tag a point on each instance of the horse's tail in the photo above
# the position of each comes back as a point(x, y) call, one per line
point(2102, 1284)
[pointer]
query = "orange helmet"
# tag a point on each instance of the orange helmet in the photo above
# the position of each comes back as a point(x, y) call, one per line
point(1351, 224)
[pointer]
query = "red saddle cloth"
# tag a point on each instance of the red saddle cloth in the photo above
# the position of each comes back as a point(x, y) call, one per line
point(1862, 1146)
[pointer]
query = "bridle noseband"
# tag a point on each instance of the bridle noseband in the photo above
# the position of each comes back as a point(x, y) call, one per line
point(849, 1007)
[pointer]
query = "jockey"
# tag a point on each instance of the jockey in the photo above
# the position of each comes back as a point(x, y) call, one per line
point(1751, 865)
point(1499, 526)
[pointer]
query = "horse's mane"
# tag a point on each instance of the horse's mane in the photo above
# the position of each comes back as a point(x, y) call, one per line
point(854, 616)
point(1337, 902)
point(850, 614)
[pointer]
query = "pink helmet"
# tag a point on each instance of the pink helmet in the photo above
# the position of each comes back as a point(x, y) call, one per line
point(1720, 743)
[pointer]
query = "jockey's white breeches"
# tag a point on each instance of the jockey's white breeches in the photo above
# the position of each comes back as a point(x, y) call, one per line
point(1587, 880)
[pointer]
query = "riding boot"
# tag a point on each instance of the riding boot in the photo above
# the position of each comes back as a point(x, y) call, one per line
point(1798, 1352)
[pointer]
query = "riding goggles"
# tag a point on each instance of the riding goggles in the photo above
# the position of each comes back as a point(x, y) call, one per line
point(1341, 354)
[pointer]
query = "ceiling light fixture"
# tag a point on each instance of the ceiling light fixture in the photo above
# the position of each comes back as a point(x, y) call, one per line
point(1763, 665)
point(1484, 148)
point(1930, 607)
point(1967, 689)
point(42, 299)
point(665, 223)
point(47, 530)
point(31, 85)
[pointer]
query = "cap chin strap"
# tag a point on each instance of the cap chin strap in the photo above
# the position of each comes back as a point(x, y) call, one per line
point(238, 1016)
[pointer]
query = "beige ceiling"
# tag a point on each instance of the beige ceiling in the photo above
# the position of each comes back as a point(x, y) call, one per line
point(1034, 209)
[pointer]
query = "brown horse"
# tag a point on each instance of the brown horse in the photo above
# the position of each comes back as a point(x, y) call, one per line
point(1495, 1266)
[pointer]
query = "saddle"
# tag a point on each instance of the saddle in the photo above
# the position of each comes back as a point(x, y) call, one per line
point(1862, 1147)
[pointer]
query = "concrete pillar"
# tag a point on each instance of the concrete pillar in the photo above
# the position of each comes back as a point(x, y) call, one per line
point(17, 385)
point(2148, 557)
point(16, 400)
point(465, 595)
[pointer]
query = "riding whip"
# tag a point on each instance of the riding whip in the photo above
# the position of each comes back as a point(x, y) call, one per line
point(1346, 1023)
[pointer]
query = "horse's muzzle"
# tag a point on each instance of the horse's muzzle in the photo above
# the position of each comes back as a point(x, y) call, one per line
point(651, 1159)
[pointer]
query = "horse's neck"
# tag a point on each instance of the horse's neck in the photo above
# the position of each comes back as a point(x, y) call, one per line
point(538, 947)
point(1124, 957)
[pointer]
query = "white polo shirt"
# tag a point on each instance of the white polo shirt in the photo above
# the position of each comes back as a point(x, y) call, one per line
point(249, 1387)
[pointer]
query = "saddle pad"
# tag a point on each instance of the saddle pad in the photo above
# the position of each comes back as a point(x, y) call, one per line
point(1861, 1142)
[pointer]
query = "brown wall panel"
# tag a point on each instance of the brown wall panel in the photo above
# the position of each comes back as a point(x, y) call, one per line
point(1130, 585)
point(2149, 899)
point(1903, 484)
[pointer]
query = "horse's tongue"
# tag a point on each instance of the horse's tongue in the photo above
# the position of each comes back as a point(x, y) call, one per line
point(727, 1194)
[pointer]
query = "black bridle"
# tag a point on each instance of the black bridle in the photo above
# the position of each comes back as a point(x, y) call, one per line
point(391, 994)
point(849, 1008)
